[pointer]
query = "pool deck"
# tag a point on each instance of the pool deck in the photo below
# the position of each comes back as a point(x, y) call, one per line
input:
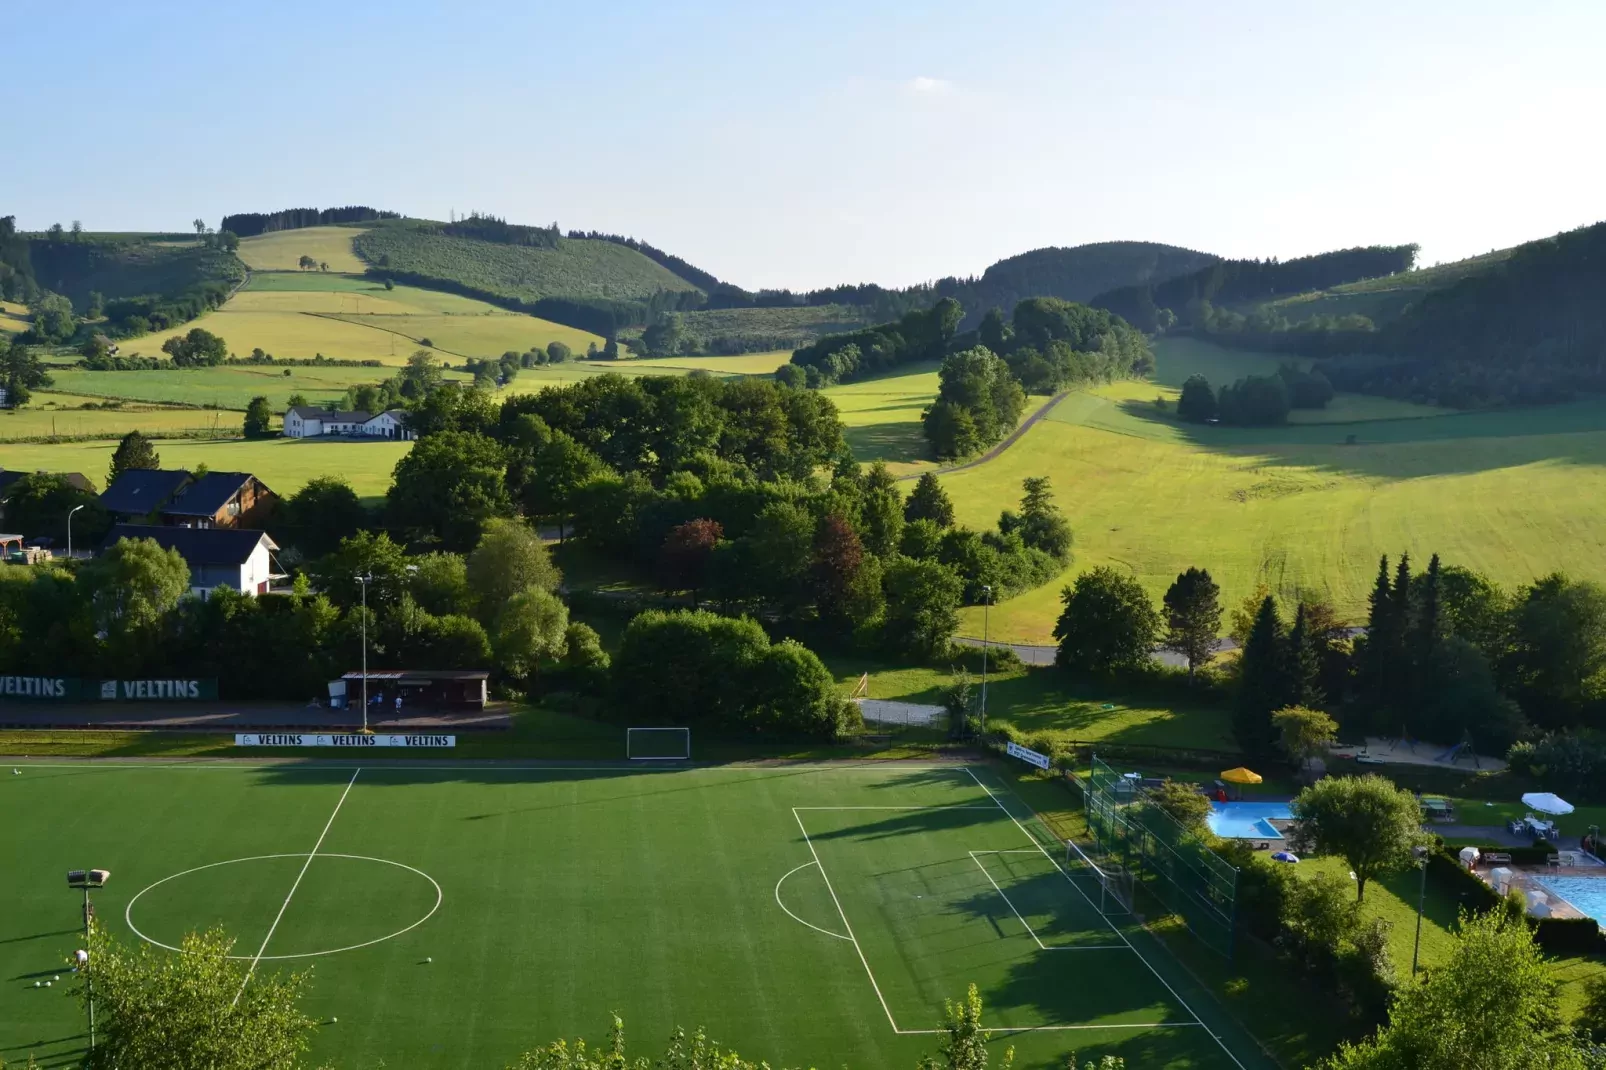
point(1526, 879)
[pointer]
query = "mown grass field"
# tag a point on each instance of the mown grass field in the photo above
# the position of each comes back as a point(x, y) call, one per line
point(293, 335)
point(284, 464)
point(813, 915)
point(282, 250)
point(65, 414)
point(745, 364)
point(882, 417)
point(1512, 494)
point(475, 336)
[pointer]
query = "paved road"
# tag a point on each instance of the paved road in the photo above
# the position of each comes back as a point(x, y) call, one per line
point(1009, 440)
point(1034, 654)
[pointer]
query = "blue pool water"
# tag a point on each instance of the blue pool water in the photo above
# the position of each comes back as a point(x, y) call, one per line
point(1248, 820)
point(1588, 894)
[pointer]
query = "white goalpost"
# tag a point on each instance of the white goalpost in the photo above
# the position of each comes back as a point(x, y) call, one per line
point(1114, 880)
point(658, 744)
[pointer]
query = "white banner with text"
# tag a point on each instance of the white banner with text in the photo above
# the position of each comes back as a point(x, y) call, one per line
point(1015, 750)
point(353, 739)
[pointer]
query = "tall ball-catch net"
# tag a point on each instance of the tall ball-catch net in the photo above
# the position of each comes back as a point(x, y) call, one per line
point(1169, 863)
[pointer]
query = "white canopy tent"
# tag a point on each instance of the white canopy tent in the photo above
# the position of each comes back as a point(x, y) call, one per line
point(1547, 803)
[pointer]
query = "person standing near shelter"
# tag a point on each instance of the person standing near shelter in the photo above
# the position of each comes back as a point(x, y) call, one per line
point(398, 704)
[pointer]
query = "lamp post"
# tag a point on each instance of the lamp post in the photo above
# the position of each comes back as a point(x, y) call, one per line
point(1421, 854)
point(365, 579)
point(70, 512)
point(987, 596)
point(87, 879)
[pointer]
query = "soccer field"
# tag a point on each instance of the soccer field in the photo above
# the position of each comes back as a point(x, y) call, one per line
point(805, 914)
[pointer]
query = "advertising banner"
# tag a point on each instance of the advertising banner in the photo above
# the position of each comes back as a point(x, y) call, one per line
point(350, 739)
point(73, 689)
point(1015, 750)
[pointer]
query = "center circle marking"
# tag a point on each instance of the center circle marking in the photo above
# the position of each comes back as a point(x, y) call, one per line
point(128, 912)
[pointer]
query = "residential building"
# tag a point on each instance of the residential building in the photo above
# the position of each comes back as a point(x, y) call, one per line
point(309, 421)
point(176, 498)
point(218, 557)
point(139, 493)
point(220, 500)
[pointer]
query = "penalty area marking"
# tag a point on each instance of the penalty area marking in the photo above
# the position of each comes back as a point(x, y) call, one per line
point(128, 912)
point(788, 910)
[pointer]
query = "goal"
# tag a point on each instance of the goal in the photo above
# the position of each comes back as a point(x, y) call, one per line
point(1109, 885)
point(658, 744)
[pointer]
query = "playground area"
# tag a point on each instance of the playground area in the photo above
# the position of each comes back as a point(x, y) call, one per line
point(1398, 750)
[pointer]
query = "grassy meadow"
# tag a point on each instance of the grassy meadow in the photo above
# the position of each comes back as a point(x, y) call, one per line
point(1513, 494)
point(882, 417)
point(284, 464)
point(282, 250)
point(225, 386)
point(71, 416)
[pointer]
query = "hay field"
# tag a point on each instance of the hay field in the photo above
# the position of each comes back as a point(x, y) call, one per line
point(289, 334)
point(226, 386)
point(488, 335)
point(282, 249)
point(66, 415)
point(284, 464)
point(13, 317)
point(745, 364)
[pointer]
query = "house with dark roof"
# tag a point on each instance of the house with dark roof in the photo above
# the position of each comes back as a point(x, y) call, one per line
point(177, 498)
point(139, 493)
point(238, 558)
point(219, 500)
point(309, 421)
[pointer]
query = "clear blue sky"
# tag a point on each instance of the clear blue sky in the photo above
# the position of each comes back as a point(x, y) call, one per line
point(809, 144)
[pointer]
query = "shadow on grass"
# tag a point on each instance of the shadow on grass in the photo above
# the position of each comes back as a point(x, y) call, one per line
point(1485, 440)
point(901, 441)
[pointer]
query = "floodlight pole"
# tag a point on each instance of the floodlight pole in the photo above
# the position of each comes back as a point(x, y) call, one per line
point(987, 595)
point(1421, 898)
point(365, 579)
point(70, 512)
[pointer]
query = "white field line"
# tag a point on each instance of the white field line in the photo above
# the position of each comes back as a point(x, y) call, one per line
point(286, 904)
point(1027, 925)
point(1174, 993)
point(934, 806)
point(788, 910)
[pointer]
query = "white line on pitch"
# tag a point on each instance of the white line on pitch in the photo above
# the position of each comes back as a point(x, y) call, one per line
point(1174, 993)
point(934, 806)
point(1033, 932)
point(845, 923)
point(286, 904)
point(1062, 1028)
point(788, 910)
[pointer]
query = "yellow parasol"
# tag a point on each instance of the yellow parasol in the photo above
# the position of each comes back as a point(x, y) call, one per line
point(1241, 775)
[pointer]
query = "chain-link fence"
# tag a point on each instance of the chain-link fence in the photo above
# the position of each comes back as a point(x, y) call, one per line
point(1171, 863)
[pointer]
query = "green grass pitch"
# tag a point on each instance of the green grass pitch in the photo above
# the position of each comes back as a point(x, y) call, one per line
point(807, 914)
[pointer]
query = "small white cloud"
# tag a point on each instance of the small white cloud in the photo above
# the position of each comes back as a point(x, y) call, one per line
point(929, 86)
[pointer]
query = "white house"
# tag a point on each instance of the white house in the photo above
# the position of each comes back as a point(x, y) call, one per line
point(309, 421)
point(218, 557)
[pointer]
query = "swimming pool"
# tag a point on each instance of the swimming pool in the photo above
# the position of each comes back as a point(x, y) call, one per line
point(1247, 820)
point(1588, 894)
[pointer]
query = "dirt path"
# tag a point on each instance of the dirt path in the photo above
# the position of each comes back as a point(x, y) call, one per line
point(1009, 439)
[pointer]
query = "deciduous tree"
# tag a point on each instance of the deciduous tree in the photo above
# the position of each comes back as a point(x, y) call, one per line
point(1107, 623)
point(509, 558)
point(1367, 821)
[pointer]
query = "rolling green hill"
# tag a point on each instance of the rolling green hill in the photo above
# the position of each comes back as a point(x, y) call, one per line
point(727, 331)
point(128, 266)
point(1077, 273)
point(577, 269)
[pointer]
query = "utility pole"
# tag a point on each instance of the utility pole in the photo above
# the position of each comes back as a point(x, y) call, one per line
point(70, 512)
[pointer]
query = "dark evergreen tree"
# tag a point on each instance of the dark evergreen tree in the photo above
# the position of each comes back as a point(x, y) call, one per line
point(134, 451)
point(1193, 617)
point(930, 502)
point(1304, 664)
point(1263, 684)
point(1197, 402)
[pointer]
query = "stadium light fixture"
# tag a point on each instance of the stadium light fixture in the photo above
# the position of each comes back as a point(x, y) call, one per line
point(87, 879)
point(1420, 855)
point(365, 578)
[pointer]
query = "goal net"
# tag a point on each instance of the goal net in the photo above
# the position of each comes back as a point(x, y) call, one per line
point(658, 744)
point(1107, 884)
